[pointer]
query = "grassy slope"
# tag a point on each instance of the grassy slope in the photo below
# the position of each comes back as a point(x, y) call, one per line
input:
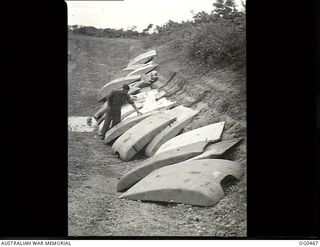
point(93, 171)
point(92, 63)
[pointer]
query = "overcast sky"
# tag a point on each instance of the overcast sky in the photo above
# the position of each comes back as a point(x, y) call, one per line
point(128, 13)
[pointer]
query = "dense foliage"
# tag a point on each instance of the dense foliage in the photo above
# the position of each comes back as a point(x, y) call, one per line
point(215, 38)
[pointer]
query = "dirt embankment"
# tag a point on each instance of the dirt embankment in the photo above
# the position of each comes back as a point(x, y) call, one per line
point(94, 209)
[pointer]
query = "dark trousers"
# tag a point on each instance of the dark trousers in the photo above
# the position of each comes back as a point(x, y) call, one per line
point(115, 117)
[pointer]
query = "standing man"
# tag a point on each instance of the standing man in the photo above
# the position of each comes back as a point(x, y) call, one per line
point(115, 100)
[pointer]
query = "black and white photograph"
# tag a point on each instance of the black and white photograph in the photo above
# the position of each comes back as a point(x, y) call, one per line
point(157, 130)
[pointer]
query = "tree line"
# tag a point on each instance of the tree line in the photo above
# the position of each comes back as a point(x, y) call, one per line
point(108, 32)
point(218, 37)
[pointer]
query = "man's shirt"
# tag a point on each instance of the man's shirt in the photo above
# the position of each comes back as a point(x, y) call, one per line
point(116, 99)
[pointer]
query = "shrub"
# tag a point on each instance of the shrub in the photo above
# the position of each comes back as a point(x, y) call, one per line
point(218, 42)
point(215, 39)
